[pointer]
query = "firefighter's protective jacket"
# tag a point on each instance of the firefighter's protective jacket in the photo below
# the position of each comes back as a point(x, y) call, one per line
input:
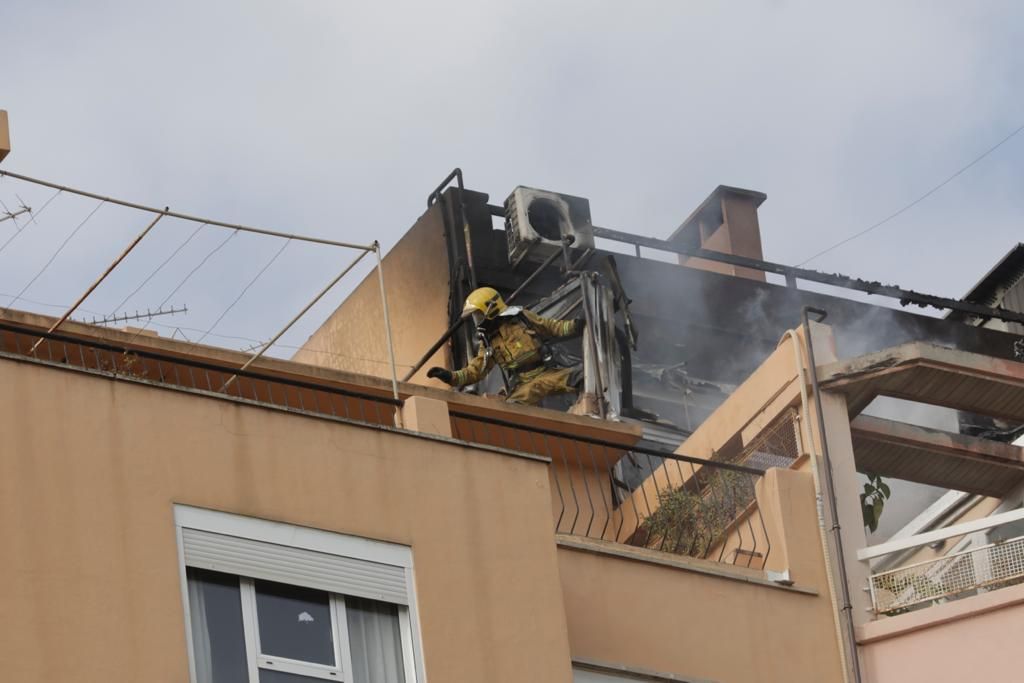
point(517, 345)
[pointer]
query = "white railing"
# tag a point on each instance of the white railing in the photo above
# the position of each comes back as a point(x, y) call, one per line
point(950, 576)
point(942, 534)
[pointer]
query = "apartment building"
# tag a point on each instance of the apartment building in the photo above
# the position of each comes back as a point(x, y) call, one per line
point(175, 512)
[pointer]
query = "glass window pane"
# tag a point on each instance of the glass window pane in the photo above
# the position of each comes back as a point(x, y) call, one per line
point(294, 622)
point(268, 676)
point(376, 641)
point(218, 642)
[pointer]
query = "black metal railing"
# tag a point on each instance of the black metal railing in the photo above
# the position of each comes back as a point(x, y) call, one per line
point(687, 506)
point(189, 373)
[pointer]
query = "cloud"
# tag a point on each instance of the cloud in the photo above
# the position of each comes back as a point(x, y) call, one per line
point(337, 119)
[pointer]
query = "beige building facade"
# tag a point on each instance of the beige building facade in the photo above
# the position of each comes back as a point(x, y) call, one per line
point(101, 459)
point(176, 512)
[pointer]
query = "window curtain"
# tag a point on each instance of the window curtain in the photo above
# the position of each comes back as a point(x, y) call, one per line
point(218, 641)
point(201, 653)
point(376, 641)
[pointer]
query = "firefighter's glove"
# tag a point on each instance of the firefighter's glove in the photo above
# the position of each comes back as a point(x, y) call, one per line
point(441, 374)
point(579, 324)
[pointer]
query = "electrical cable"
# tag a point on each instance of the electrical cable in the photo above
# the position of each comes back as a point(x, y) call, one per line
point(916, 201)
point(32, 217)
point(186, 217)
point(158, 269)
point(55, 254)
point(186, 279)
point(244, 290)
point(49, 305)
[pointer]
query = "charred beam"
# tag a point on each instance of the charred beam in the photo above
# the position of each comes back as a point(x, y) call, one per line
point(905, 296)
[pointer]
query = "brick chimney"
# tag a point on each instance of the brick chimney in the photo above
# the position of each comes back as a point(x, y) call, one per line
point(727, 222)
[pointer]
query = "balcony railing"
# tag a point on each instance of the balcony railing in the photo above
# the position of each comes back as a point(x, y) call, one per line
point(687, 506)
point(949, 577)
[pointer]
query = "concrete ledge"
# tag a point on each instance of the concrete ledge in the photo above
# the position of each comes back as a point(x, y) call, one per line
point(892, 627)
point(571, 425)
point(18, 358)
point(690, 564)
point(632, 672)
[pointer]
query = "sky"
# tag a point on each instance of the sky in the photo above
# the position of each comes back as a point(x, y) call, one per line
point(336, 119)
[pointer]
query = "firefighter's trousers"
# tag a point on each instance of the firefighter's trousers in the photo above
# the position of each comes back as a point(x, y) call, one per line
point(533, 386)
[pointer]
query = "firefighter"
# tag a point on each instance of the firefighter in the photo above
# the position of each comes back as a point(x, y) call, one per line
point(515, 338)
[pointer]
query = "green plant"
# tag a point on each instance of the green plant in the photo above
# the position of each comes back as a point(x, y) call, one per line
point(690, 518)
point(872, 500)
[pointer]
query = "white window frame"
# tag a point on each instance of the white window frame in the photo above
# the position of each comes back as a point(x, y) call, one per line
point(342, 669)
point(342, 545)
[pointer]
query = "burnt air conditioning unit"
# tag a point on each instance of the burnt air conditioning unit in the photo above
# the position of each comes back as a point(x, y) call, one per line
point(537, 220)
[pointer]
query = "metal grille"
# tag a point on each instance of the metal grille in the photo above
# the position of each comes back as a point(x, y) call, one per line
point(776, 446)
point(951, 577)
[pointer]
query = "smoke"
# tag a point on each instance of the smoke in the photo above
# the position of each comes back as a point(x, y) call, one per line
point(873, 329)
point(878, 328)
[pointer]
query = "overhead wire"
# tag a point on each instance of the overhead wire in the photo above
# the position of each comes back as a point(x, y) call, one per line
point(236, 228)
point(187, 278)
point(55, 254)
point(244, 290)
point(158, 268)
point(917, 201)
point(183, 216)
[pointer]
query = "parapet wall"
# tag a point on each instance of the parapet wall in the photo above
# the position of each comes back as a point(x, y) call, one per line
point(417, 284)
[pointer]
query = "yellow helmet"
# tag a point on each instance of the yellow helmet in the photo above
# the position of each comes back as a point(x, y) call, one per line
point(484, 301)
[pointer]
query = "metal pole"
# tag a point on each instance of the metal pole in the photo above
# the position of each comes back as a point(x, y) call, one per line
point(905, 296)
point(15, 214)
point(433, 349)
point(294, 320)
point(186, 217)
point(547, 262)
point(101, 278)
point(437, 196)
point(466, 232)
point(387, 323)
point(589, 334)
point(830, 489)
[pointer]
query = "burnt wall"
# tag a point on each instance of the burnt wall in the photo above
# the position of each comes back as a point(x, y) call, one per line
point(718, 328)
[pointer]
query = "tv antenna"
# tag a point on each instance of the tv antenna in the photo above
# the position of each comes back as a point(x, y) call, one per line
point(137, 315)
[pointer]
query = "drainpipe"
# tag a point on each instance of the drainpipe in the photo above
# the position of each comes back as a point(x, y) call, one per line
point(798, 358)
point(830, 492)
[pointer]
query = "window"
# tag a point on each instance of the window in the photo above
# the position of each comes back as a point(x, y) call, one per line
point(275, 603)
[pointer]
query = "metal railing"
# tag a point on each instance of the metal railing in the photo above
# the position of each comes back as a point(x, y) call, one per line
point(687, 506)
point(949, 577)
point(21, 342)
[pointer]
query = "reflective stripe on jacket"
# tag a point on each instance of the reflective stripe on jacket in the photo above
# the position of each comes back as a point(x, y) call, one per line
point(517, 343)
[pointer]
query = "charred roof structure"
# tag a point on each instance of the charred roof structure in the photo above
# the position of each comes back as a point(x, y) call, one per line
point(672, 342)
point(1002, 286)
